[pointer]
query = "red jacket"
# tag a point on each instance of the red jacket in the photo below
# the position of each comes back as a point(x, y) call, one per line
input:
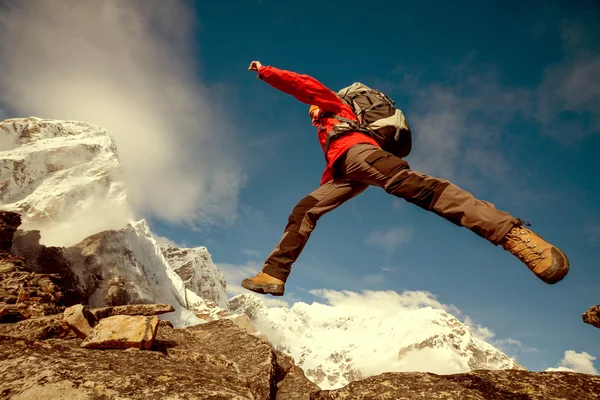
point(310, 91)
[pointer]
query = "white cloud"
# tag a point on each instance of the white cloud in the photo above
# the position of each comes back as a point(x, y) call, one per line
point(389, 239)
point(571, 89)
point(576, 362)
point(397, 204)
point(457, 121)
point(164, 240)
point(252, 253)
point(131, 68)
point(235, 274)
point(480, 331)
point(381, 301)
point(387, 269)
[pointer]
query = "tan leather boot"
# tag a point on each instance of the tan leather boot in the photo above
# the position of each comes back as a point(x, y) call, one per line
point(546, 261)
point(265, 284)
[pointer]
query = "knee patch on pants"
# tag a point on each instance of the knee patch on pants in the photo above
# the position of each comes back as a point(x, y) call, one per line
point(414, 187)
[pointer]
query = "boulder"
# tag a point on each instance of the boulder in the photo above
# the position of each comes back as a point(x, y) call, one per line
point(592, 316)
point(122, 332)
point(80, 320)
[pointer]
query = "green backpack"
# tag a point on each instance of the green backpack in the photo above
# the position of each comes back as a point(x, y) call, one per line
point(378, 116)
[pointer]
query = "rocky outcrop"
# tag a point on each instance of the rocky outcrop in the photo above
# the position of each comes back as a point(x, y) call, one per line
point(475, 385)
point(198, 272)
point(592, 316)
point(216, 360)
point(110, 268)
point(76, 280)
point(23, 293)
point(9, 223)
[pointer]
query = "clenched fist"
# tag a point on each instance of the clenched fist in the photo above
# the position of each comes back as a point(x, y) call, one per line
point(254, 66)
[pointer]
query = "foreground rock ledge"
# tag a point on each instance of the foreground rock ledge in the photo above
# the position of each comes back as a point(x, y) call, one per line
point(216, 360)
point(475, 385)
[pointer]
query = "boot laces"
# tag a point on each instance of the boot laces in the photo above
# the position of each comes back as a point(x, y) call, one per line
point(520, 245)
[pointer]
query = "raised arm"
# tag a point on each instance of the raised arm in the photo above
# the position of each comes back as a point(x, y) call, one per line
point(304, 88)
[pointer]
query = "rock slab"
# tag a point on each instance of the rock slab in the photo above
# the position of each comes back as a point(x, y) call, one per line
point(123, 332)
point(132, 309)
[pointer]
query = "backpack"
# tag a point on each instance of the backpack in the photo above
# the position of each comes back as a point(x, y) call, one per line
point(378, 116)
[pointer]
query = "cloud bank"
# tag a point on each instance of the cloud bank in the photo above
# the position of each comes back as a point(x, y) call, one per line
point(576, 362)
point(130, 67)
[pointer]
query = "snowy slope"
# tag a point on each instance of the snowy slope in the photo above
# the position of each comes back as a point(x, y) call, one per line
point(199, 273)
point(336, 345)
point(61, 172)
point(65, 179)
point(132, 256)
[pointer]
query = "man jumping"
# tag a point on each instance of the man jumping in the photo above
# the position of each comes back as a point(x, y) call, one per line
point(355, 161)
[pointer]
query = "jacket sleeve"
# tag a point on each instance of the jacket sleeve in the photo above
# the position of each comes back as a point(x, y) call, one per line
point(304, 88)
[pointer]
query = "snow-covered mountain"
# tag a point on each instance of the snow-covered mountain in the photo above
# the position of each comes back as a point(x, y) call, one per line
point(336, 345)
point(199, 273)
point(65, 179)
point(132, 259)
point(61, 174)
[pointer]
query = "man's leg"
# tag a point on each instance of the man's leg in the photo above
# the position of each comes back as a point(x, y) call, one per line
point(371, 165)
point(301, 223)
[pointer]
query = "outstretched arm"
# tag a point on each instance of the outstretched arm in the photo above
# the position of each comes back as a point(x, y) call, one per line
point(304, 88)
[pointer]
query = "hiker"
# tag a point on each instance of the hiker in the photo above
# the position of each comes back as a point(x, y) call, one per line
point(355, 161)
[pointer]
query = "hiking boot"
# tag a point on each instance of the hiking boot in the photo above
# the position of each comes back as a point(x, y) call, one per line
point(546, 261)
point(264, 284)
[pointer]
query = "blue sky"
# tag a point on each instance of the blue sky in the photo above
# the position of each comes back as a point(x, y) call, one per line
point(486, 79)
point(503, 99)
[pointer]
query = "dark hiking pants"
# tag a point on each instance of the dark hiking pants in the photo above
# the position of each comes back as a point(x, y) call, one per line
point(364, 165)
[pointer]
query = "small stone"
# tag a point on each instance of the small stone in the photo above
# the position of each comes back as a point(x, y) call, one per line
point(122, 332)
point(164, 323)
point(79, 319)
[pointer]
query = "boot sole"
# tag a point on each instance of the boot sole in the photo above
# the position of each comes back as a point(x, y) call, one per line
point(558, 270)
point(263, 288)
